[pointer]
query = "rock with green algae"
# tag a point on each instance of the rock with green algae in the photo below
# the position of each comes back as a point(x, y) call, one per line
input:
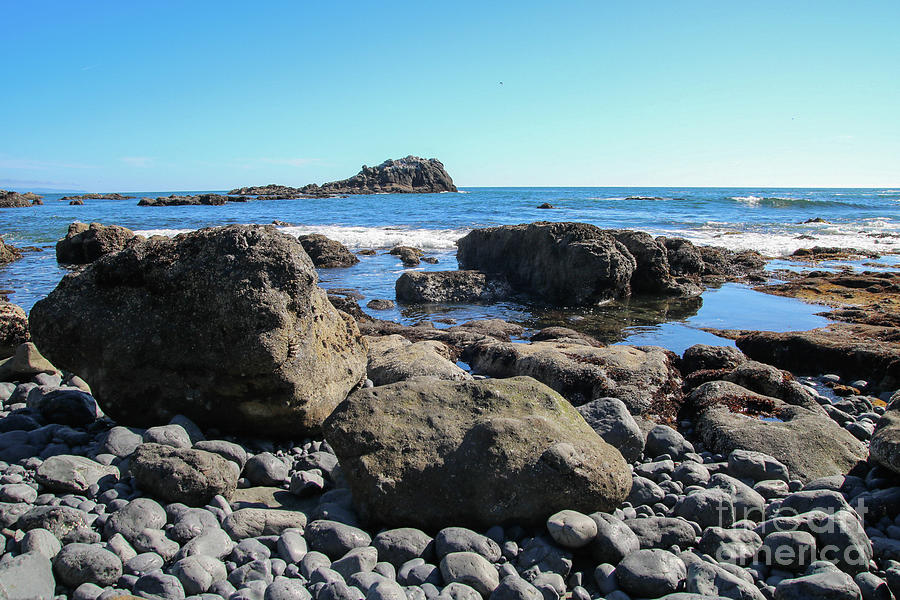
point(428, 453)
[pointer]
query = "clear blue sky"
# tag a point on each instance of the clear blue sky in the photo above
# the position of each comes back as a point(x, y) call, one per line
point(160, 95)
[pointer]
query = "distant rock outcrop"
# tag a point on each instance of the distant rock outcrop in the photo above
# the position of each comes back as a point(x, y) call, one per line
point(197, 200)
point(10, 199)
point(410, 175)
point(97, 197)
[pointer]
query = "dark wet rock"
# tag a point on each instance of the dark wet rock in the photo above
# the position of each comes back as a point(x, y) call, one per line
point(884, 446)
point(734, 546)
point(562, 263)
point(327, 253)
point(184, 475)
point(662, 439)
point(348, 302)
point(644, 378)
point(712, 580)
point(416, 287)
point(400, 545)
point(609, 417)
point(484, 452)
point(69, 406)
point(9, 199)
point(196, 200)
point(852, 350)
point(335, 539)
point(86, 243)
point(573, 264)
point(380, 304)
point(164, 336)
point(13, 328)
point(545, 205)
point(409, 256)
point(806, 441)
point(393, 358)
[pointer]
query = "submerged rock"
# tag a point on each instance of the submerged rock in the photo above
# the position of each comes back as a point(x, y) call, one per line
point(224, 325)
point(428, 453)
point(450, 286)
point(86, 243)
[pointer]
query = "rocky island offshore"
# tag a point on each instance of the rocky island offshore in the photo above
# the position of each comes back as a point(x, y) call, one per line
point(194, 417)
point(410, 175)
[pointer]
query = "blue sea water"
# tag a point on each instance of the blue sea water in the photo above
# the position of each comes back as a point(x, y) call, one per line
point(770, 221)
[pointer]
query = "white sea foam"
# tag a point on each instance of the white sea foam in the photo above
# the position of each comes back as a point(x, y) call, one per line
point(749, 200)
point(364, 237)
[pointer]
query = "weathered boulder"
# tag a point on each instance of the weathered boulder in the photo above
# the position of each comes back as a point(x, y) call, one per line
point(86, 243)
point(9, 199)
point(409, 256)
point(13, 328)
point(428, 453)
point(184, 475)
point(808, 442)
point(450, 286)
point(644, 378)
point(652, 273)
point(224, 325)
point(561, 263)
point(327, 253)
point(610, 418)
point(393, 358)
point(858, 351)
point(73, 474)
point(884, 447)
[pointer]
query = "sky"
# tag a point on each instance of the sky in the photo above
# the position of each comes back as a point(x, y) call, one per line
point(157, 96)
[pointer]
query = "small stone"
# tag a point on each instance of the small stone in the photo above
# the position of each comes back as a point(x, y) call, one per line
point(665, 440)
point(709, 508)
point(788, 550)
point(18, 492)
point(822, 586)
point(650, 573)
point(572, 529)
point(168, 435)
point(335, 539)
point(291, 545)
point(121, 442)
point(254, 522)
point(356, 560)
point(69, 473)
point(229, 450)
point(134, 517)
point(265, 469)
point(472, 569)
point(83, 563)
point(397, 546)
point(159, 585)
point(198, 573)
point(460, 539)
point(41, 541)
point(747, 464)
point(614, 540)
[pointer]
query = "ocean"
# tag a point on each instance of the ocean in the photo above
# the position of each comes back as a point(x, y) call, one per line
point(771, 221)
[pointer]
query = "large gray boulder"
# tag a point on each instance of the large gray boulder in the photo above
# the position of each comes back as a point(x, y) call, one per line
point(224, 325)
point(393, 358)
point(805, 440)
point(429, 453)
point(28, 576)
point(86, 243)
point(644, 378)
point(884, 447)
